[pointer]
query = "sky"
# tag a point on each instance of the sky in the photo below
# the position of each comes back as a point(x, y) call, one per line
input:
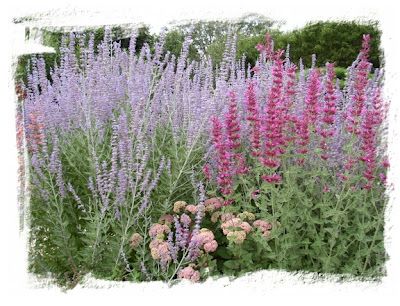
point(84, 13)
point(295, 14)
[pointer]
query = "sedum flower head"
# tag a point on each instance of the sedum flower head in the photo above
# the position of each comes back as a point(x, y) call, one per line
point(227, 216)
point(215, 216)
point(264, 226)
point(135, 240)
point(213, 204)
point(160, 251)
point(230, 225)
point(166, 219)
point(178, 206)
point(246, 227)
point(205, 235)
point(236, 237)
point(191, 208)
point(158, 230)
point(247, 216)
point(190, 274)
point(211, 246)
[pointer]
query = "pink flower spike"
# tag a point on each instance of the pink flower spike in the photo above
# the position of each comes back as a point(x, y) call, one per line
point(207, 171)
point(224, 176)
point(228, 202)
point(383, 178)
point(386, 163)
point(326, 189)
point(255, 194)
point(273, 178)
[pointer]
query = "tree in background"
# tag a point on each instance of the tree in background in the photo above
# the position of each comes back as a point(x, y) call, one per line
point(174, 41)
point(206, 33)
point(333, 41)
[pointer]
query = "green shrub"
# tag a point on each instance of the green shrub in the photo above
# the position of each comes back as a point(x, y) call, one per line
point(332, 41)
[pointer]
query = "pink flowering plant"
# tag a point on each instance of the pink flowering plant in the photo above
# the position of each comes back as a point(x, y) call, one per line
point(307, 155)
point(145, 166)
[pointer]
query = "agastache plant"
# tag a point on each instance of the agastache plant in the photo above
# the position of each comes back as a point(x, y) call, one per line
point(299, 120)
point(306, 135)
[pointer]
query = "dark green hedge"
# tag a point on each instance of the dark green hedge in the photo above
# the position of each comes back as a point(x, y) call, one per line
point(337, 42)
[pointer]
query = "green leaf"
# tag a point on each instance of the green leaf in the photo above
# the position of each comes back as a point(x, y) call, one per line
point(232, 264)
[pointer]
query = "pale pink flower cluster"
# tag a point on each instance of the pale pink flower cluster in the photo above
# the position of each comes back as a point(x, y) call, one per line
point(246, 227)
point(160, 251)
point(237, 237)
point(229, 224)
point(190, 274)
point(135, 240)
point(205, 239)
point(166, 219)
point(227, 216)
point(211, 246)
point(192, 209)
point(212, 204)
point(158, 230)
point(264, 226)
point(215, 216)
point(235, 223)
point(236, 229)
point(178, 206)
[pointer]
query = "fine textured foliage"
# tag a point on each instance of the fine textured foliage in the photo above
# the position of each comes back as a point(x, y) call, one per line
point(144, 166)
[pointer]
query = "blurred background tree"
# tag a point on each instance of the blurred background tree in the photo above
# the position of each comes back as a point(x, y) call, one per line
point(332, 41)
point(335, 41)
